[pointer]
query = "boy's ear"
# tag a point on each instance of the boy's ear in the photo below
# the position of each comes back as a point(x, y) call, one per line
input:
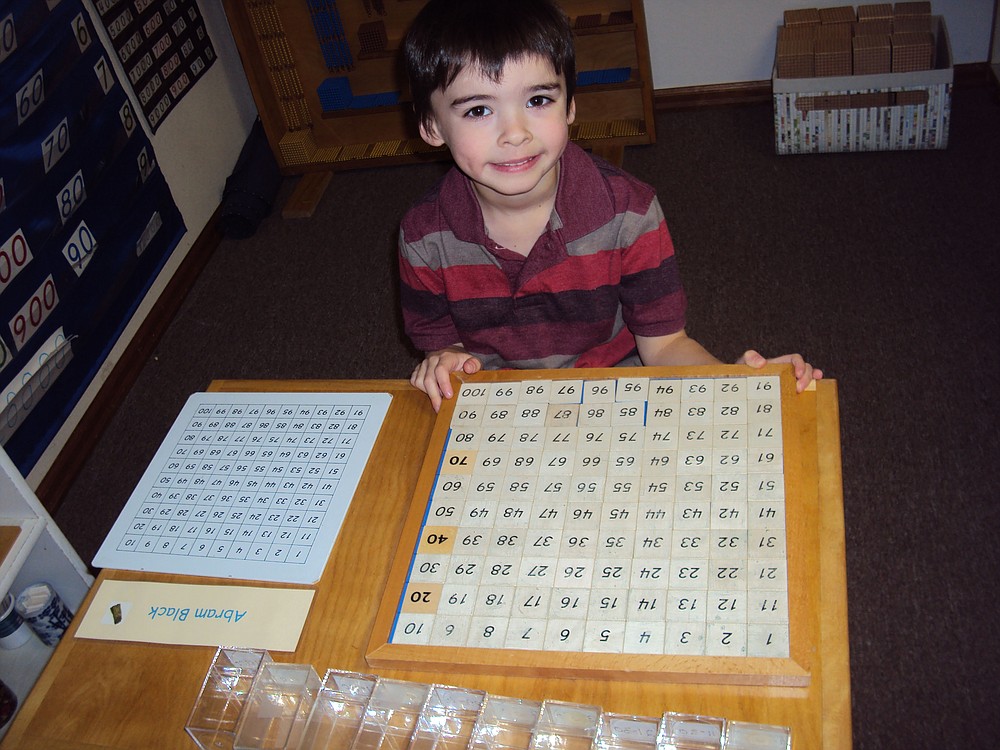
point(571, 112)
point(429, 132)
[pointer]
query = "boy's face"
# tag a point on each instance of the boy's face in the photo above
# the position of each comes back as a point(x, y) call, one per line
point(507, 137)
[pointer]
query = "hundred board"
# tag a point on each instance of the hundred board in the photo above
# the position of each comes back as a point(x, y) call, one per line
point(642, 522)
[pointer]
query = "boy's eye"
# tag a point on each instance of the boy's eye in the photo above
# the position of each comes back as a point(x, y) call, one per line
point(540, 100)
point(480, 111)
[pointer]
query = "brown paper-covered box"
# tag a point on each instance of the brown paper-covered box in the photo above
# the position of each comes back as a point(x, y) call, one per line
point(801, 17)
point(922, 8)
point(794, 57)
point(875, 12)
point(872, 54)
point(838, 14)
point(912, 51)
point(832, 53)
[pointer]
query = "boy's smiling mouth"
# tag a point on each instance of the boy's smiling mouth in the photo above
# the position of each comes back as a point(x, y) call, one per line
point(515, 165)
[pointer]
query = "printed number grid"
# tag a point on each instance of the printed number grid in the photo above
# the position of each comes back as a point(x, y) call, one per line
point(632, 515)
point(249, 482)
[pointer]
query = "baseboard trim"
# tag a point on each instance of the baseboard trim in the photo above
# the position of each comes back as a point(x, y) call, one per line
point(52, 489)
point(712, 95)
point(757, 92)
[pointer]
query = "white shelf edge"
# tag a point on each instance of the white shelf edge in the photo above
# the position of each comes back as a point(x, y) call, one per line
point(31, 531)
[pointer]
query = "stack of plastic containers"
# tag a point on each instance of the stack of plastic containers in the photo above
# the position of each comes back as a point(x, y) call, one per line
point(250, 702)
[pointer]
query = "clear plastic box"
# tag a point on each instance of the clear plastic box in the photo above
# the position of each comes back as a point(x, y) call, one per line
point(680, 731)
point(392, 714)
point(505, 724)
point(278, 707)
point(742, 735)
point(339, 710)
point(625, 732)
point(566, 726)
point(217, 710)
point(448, 718)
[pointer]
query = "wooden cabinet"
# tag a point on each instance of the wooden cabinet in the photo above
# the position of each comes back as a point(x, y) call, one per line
point(327, 81)
point(32, 549)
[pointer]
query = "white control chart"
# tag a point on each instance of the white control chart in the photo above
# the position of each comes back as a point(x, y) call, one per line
point(248, 485)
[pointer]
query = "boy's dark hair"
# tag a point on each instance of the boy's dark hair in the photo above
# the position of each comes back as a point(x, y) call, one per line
point(448, 35)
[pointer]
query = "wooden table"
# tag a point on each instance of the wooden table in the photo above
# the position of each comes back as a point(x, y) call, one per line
point(101, 694)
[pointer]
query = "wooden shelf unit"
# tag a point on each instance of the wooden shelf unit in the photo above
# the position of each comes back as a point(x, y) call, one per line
point(285, 66)
point(32, 549)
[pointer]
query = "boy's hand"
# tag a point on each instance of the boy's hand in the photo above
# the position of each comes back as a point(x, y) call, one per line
point(805, 373)
point(433, 375)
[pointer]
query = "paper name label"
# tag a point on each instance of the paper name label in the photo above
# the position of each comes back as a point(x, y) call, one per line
point(195, 615)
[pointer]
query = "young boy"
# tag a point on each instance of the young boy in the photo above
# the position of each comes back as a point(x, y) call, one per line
point(529, 253)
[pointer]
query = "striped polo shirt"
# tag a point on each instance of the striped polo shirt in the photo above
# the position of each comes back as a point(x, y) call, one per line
point(603, 271)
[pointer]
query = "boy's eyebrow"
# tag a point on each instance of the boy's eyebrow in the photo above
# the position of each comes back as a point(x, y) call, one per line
point(557, 85)
point(463, 100)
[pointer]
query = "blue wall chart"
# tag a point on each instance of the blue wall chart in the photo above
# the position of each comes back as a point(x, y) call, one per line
point(86, 217)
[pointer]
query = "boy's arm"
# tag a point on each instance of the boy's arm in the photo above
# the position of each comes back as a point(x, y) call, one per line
point(433, 374)
point(679, 349)
point(673, 350)
point(426, 319)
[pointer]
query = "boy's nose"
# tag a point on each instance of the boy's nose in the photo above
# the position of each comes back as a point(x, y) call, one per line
point(514, 132)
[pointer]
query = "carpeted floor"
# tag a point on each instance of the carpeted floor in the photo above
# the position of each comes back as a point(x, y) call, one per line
point(881, 268)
